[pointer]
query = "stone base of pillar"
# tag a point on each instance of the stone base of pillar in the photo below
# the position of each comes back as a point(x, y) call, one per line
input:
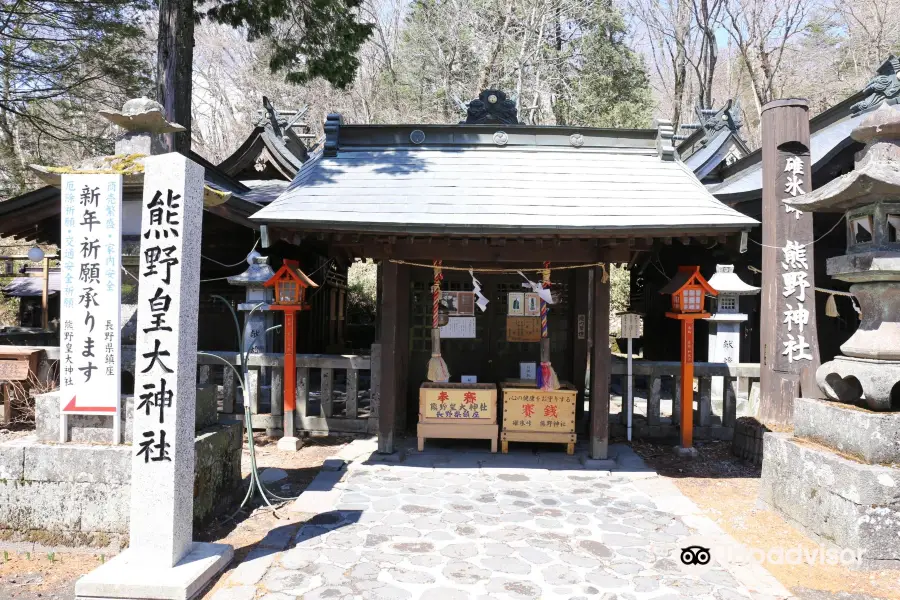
point(681, 452)
point(127, 576)
point(289, 444)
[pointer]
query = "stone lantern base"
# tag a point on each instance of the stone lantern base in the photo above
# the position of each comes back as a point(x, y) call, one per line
point(849, 379)
point(838, 478)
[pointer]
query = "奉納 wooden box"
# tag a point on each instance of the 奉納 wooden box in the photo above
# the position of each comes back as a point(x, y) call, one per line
point(533, 415)
point(458, 411)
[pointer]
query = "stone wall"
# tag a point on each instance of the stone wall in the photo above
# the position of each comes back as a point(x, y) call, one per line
point(79, 493)
point(846, 503)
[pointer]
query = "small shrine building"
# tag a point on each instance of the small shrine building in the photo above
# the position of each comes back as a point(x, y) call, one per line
point(495, 196)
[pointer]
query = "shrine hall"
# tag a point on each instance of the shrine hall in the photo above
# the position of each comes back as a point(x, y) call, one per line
point(469, 224)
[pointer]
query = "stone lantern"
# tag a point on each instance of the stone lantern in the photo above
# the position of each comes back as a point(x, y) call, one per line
point(255, 325)
point(725, 323)
point(869, 197)
point(253, 280)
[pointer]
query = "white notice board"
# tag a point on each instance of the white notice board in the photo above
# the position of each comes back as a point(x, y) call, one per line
point(459, 327)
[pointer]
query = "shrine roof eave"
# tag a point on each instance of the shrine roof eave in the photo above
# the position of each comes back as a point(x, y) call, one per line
point(535, 181)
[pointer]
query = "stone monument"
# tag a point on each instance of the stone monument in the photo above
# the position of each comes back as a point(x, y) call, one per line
point(162, 561)
point(839, 475)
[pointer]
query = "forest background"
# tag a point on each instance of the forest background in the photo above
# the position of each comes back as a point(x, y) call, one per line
point(605, 63)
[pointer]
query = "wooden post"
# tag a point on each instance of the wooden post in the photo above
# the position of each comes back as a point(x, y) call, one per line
point(687, 383)
point(580, 344)
point(45, 292)
point(327, 393)
point(785, 141)
point(390, 309)
point(290, 366)
point(352, 404)
point(302, 386)
point(600, 368)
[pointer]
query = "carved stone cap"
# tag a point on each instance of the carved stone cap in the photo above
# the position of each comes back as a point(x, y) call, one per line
point(258, 273)
point(881, 124)
point(142, 115)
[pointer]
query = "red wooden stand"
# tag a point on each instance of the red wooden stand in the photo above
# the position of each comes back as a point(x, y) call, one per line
point(687, 374)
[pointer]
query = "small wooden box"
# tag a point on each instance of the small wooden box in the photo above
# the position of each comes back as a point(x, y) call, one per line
point(533, 415)
point(17, 363)
point(458, 411)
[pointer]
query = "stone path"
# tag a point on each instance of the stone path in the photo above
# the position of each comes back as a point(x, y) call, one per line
point(444, 526)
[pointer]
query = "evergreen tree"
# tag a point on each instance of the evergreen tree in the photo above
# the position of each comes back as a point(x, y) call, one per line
point(59, 62)
point(607, 82)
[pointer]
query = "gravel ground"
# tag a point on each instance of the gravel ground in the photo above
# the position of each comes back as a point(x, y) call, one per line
point(27, 574)
point(725, 488)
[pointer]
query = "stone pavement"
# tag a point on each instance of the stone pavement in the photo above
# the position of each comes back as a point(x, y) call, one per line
point(448, 525)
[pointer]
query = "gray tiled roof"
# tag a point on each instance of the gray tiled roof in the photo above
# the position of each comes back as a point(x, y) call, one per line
point(538, 182)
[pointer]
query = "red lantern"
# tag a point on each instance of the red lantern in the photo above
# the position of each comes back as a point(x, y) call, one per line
point(689, 290)
point(290, 285)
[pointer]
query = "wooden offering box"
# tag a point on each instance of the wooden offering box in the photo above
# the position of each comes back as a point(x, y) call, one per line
point(532, 415)
point(458, 411)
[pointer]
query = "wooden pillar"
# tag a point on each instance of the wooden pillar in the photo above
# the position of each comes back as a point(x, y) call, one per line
point(394, 309)
point(687, 383)
point(787, 172)
point(45, 292)
point(580, 337)
point(600, 368)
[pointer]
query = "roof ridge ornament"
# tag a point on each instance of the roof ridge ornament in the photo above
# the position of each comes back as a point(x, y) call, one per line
point(665, 133)
point(332, 128)
point(492, 107)
point(883, 87)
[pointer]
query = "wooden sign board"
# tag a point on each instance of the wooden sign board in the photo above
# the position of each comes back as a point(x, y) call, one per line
point(630, 324)
point(455, 404)
point(465, 303)
point(458, 411)
point(523, 329)
point(536, 410)
point(14, 370)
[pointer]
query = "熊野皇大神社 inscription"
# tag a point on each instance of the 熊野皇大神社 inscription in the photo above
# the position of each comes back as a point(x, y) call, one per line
point(448, 404)
point(457, 411)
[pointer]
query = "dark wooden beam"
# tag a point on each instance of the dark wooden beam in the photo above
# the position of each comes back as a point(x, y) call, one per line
point(390, 343)
point(581, 303)
point(600, 369)
point(569, 252)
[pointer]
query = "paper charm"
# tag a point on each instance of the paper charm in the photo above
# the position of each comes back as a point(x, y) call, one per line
point(480, 300)
point(537, 288)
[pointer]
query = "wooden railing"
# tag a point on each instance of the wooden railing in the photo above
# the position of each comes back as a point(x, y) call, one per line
point(329, 394)
point(715, 413)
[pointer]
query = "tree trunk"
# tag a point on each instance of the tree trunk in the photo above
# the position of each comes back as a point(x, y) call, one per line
point(175, 59)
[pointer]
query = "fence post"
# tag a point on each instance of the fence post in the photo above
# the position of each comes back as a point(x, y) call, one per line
point(653, 400)
point(729, 402)
point(229, 391)
point(327, 395)
point(251, 394)
point(276, 397)
point(705, 404)
point(352, 393)
point(302, 391)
